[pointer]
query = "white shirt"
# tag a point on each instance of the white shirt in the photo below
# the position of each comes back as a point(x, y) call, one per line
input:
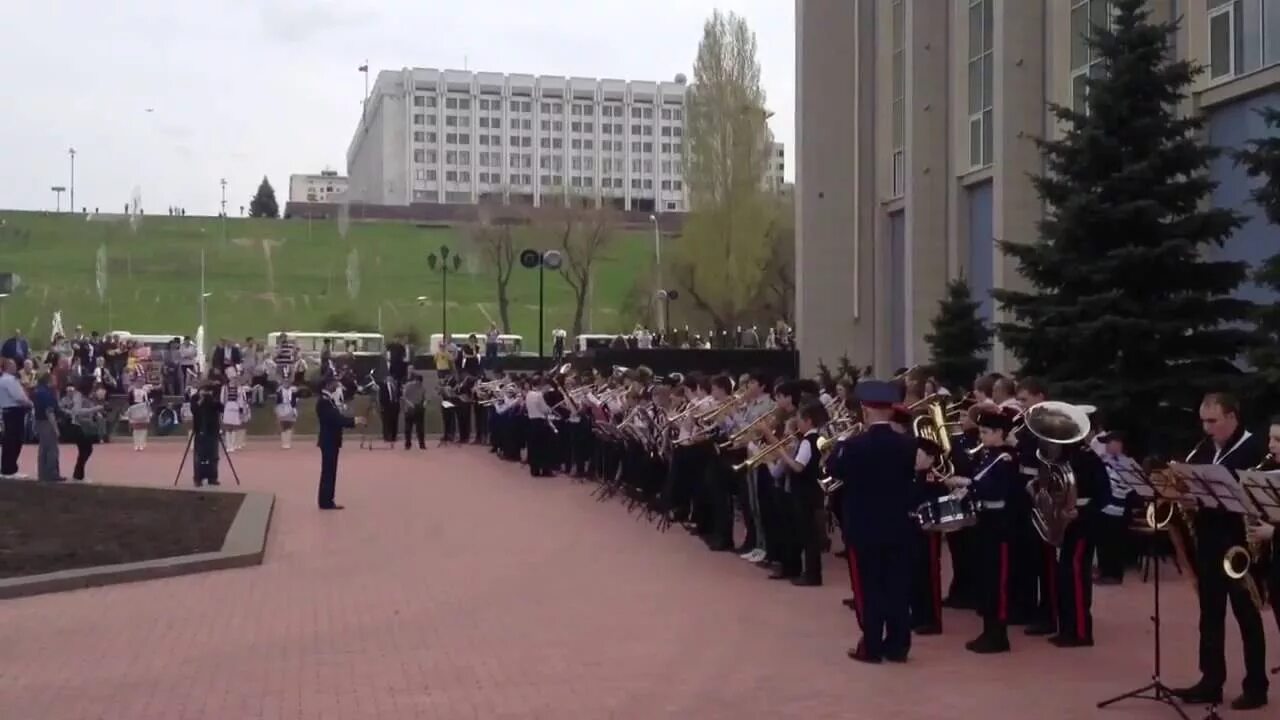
point(535, 405)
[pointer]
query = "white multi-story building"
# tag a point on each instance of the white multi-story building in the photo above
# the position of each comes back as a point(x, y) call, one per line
point(448, 136)
point(776, 164)
point(325, 187)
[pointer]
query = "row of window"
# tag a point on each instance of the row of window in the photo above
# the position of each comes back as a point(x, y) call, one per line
point(557, 126)
point(638, 111)
point(1244, 36)
point(578, 181)
point(430, 138)
point(546, 162)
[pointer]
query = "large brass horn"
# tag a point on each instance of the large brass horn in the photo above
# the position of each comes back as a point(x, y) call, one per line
point(1057, 425)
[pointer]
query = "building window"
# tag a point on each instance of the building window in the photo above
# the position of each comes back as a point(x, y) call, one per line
point(431, 176)
point(451, 176)
point(431, 101)
point(484, 105)
point(1244, 35)
point(419, 156)
point(419, 136)
point(1085, 63)
point(418, 119)
point(419, 101)
point(981, 82)
point(899, 96)
point(451, 103)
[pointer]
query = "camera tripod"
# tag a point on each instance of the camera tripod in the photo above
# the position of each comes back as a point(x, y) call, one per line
point(191, 436)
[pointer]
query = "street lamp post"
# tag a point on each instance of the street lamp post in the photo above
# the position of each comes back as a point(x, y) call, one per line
point(72, 153)
point(657, 263)
point(223, 183)
point(444, 259)
point(548, 260)
point(665, 296)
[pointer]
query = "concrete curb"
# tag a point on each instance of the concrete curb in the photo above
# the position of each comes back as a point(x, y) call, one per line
point(244, 545)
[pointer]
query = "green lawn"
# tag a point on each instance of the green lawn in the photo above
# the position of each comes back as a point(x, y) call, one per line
point(271, 275)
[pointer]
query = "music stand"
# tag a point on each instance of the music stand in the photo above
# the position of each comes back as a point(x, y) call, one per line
point(1151, 490)
point(1263, 490)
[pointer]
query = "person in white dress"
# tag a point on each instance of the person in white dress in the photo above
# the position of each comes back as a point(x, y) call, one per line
point(286, 410)
point(138, 412)
point(232, 411)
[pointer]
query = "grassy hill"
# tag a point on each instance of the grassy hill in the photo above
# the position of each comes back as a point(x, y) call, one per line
point(267, 275)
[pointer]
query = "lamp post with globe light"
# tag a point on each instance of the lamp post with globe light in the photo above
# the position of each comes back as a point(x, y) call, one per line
point(448, 261)
point(547, 260)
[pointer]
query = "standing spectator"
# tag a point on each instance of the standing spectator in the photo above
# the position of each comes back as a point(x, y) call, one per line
point(491, 343)
point(188, 361)
point(397, 358)
point(86, 415)
point(45, 401)
point(444, 360)
point(557, 344)
point(27, 375)
point(115, 354)
point(16, 348)
point(14, 404)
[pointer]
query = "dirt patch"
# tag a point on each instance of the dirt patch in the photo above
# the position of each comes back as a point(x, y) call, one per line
point(46, 527)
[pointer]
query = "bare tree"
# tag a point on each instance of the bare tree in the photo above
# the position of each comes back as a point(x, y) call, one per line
point(491, 234)
point(724, 254)
point(582, 231)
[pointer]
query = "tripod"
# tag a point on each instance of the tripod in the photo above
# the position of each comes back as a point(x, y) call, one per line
point(191, 436)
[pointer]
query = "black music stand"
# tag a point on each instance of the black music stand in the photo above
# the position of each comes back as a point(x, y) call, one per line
point(1151, 491)
point(1263, 490)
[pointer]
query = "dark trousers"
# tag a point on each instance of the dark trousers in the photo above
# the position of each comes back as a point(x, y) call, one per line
point(1214, 534)
point(328, 475)
point(882, 589)
point(537, 441)
point(721, 481)
point(450, 417)
point(802, 531)
point(995, 564)
point(962, 547)
point(463, 414)
point(1075, 581)
point(775, 516)
point(581, 444)
point(1034, 578)
point(204, 448)
point(15, 429)
point(1113, 553)
point(390, 423)
point(926, 581)
point(84, 448)
point(482, 422)
point(415, 423)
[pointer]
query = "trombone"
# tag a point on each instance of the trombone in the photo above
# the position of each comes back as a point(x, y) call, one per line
point(751, 427)
point(764, 453)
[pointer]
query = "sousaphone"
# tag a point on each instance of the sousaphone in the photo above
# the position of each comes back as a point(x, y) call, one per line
point(1058, 426)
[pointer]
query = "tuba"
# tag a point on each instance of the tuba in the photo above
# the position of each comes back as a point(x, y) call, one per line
point(1058, 426)
point(932, 425)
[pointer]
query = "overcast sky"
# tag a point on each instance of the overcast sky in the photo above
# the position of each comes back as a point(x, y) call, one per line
point(243, 88)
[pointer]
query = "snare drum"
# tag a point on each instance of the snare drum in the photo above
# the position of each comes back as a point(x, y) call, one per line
point(947, 513)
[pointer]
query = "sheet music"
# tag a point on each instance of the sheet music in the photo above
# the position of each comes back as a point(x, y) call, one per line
point(1212, 486)
point(1147, 488)
point(1263, 490)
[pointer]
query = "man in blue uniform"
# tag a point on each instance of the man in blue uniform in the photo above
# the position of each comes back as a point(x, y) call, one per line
point(332, 423)
point(878, 470)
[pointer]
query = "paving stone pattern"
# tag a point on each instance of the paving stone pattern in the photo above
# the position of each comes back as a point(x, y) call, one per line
point(454, 586)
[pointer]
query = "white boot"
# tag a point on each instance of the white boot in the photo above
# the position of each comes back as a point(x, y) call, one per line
point(137, 438)
point(286, 439)
point(142, 439)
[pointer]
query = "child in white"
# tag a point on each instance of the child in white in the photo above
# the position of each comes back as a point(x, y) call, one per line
point(286, 411)
point(232, 413)
point(138, 413)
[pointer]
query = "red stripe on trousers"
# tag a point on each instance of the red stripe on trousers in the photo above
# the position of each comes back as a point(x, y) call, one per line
point(1002, 593)
point(935, 573)
point(856, 582)
point(1077, 574)
point(1051, 583)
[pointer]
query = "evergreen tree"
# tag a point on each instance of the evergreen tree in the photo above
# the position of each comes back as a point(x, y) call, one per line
point(1127, 311)
point(264, 204)
point(1261, 160)
point(959, 338)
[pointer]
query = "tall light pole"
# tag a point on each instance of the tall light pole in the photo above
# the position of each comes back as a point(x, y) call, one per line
point(448, 263)
point(657, 262)
point(223, 183)
point(72, 153)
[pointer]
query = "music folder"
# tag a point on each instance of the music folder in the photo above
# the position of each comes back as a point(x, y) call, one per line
point(1212, 487)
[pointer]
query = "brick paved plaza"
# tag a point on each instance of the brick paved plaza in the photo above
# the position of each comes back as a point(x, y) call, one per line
point(454, 586)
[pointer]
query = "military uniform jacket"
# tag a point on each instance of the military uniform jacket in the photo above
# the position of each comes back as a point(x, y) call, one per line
point(878, 470)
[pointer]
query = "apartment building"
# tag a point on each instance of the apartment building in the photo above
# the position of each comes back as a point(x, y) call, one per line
point(915, 121)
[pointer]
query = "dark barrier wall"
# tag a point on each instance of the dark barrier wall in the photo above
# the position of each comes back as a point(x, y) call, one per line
point(775, 363)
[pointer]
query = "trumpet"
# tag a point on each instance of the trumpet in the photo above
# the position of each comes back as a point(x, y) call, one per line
point(764, 453)
point(751, 427)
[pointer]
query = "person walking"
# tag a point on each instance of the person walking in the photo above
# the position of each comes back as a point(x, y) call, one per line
point(14, 405)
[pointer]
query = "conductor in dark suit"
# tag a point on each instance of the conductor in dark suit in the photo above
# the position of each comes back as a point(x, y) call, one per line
point(332, 422)
point(878, 470)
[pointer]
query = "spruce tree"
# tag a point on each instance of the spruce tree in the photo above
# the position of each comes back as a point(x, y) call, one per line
point(1261, 160)
point(959, 339)
point(1126, 310)
point(264, 204)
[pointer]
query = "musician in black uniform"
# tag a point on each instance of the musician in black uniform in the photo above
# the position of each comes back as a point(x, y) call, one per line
point(962, 544)
point(398, 359)
point(994, 480)
point(1073, 571)
point(332, 421)
point(1263, 533)
point(449, 407)
point(878, 471)
point(389, 408)
point(206, 429)
point(926, 585)
point(463, 401)
point(1228, 444)
point(801, 499)
point(1035, 579)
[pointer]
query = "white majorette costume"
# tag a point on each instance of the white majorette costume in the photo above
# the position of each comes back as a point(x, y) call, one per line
point(232, 415)
point(286, 412)
point(138, 414)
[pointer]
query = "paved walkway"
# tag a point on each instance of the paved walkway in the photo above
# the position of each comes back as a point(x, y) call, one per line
point(454, 586)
